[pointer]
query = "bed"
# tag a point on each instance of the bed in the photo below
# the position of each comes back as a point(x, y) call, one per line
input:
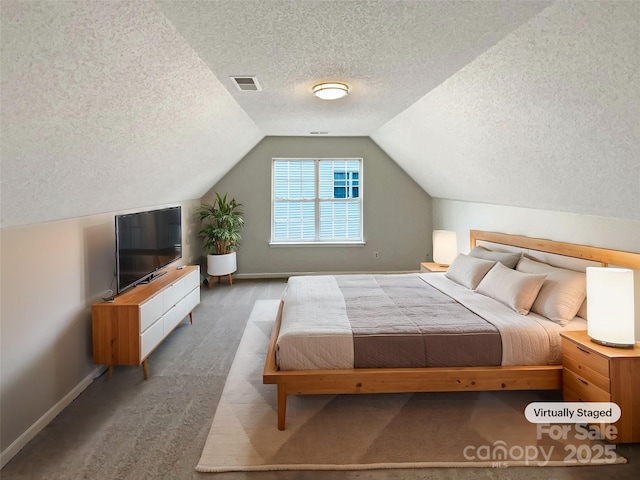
point(499, 341)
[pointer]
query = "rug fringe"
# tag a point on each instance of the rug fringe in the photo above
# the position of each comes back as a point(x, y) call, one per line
point(391, 466)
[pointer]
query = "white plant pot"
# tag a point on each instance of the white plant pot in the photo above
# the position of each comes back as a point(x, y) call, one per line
point(219, 265)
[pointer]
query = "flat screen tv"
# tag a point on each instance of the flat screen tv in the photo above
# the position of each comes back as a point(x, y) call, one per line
point(145, 243)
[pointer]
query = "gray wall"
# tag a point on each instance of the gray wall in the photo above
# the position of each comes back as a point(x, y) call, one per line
point(397, 212)
point(52, 273)
point(606, 232)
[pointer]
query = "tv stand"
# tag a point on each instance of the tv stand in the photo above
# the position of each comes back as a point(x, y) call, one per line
point(128, 329)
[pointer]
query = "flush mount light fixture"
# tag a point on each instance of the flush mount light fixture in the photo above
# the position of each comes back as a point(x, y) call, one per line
point(330, 91)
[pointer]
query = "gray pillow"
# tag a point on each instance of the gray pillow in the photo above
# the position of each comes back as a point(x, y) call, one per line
point(468, 271)
point(562, 293)
point(508, 259)
point(515, 289)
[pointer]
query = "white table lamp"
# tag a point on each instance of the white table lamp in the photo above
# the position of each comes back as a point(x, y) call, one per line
point(613, 306)
point(445, 247)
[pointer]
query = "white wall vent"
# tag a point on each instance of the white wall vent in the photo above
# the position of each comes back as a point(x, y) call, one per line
point(246, 83)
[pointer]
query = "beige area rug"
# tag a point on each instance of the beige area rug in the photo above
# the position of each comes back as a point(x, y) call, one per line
point(353, 432)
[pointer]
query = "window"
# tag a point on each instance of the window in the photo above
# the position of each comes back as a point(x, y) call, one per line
point(316, 200)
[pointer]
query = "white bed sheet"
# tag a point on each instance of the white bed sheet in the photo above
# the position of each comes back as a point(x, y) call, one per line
point(526, 339)
point(316, 333)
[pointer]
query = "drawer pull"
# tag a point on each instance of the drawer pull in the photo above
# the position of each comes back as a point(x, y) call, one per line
point(582, 349)
point(583, 381)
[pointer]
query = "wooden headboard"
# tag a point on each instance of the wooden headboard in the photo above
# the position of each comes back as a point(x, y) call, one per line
point(603, 256)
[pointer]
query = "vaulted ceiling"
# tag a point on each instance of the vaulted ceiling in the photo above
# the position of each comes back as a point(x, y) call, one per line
point(390, 53)
point(117, 105)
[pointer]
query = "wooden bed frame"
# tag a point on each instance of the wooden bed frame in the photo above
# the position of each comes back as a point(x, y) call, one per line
point(398, 380)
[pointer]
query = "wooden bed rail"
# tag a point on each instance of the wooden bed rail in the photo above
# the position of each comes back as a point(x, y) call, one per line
point(399, 380)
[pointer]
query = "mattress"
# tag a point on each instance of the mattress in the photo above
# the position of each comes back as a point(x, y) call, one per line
point(406, 321)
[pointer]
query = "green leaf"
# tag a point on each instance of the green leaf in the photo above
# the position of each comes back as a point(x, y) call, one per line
point(222, 223)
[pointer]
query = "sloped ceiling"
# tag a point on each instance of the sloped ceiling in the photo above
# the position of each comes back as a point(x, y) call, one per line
point(106, 107)
point(548, 118)
point(390, 53)
point(120, 105)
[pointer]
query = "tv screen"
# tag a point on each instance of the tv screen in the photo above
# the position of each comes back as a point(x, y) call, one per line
point(145, 243)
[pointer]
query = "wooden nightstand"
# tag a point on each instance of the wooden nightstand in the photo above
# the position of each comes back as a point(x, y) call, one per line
point(594, 373)
point(432, 267)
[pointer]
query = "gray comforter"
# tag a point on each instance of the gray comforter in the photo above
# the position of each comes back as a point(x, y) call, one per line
point(380, 321)
point(400, 321)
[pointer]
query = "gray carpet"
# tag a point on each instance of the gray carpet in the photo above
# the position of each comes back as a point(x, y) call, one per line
point(375, 431)
point(128, 428)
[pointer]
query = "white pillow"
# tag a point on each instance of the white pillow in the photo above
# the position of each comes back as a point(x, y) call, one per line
point(562, 292)
point(468, 271)
point(515, 289)
point(508, 259)
point(582, 311)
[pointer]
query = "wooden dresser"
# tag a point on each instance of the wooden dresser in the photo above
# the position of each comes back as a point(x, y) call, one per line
point(127, 330)
point(595, 373)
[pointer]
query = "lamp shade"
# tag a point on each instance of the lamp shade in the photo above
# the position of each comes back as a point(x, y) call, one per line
point(613, 306)
point(445, 247)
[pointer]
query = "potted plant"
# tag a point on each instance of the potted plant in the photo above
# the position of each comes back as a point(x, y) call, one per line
point(222, 224)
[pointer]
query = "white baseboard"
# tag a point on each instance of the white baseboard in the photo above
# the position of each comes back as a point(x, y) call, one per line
point(254, 276)
point(7, 454)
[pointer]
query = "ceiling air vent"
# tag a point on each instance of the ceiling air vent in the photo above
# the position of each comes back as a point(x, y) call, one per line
point(246, 84)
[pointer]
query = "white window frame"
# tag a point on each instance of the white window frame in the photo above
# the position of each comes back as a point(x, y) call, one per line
point(317, 241)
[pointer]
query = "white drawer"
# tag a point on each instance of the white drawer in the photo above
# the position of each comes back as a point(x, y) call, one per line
point(152, 337)
point(173, 317)
point(191, 300)
point(192, 281)
point(150, 311)
point(173, 294)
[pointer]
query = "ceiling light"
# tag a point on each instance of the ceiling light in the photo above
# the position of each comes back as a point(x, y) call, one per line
point(330, 91)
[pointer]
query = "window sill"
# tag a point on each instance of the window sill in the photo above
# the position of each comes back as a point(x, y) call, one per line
point(359, 243)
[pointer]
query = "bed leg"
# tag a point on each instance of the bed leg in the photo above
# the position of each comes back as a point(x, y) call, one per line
point(282, 406)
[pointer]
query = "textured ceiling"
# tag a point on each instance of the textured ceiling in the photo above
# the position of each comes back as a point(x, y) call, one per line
point(549, 118)
point(390, 53)
point(106, 107)
point(110, 106)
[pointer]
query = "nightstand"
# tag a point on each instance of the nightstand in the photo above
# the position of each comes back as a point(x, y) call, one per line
point(595, 373)
point(432, 267)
